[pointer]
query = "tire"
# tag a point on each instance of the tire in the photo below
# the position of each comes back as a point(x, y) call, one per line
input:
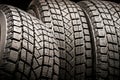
point(106, 39)
point(72, 35)
point(114, 10)
point(28, 50)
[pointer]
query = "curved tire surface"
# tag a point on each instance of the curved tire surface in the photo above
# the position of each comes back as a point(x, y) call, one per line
point(105, 29)
point(29, 51)
point(72, 34)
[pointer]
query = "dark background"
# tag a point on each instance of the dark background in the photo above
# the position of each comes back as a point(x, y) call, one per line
point(23, 4)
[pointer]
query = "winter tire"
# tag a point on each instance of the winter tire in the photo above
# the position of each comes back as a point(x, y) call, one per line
point(72, 34)
point(28, 50)
point(105, 28)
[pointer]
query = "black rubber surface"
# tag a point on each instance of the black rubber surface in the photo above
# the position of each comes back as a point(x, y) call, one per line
point(30, 51)
point(72, 34)
point(106, 29)
point(114, 10)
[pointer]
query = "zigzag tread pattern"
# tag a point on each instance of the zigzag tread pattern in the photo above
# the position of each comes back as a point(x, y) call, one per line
point(50, 11)
point(75, 22)
point(50, 14)
point(69, 41)
point(57, 22)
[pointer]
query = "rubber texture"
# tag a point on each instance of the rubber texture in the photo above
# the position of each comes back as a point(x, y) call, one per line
point(72, 34)
point(106, 32)
point(114, 9)
point(30, 51)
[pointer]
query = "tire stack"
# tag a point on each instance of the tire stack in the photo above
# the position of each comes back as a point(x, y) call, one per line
point(60, 40)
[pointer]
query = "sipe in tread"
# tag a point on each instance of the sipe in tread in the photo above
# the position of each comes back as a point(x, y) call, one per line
point(71, 30)
point(114, 10)
point(106, 39)
point(29, 51)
